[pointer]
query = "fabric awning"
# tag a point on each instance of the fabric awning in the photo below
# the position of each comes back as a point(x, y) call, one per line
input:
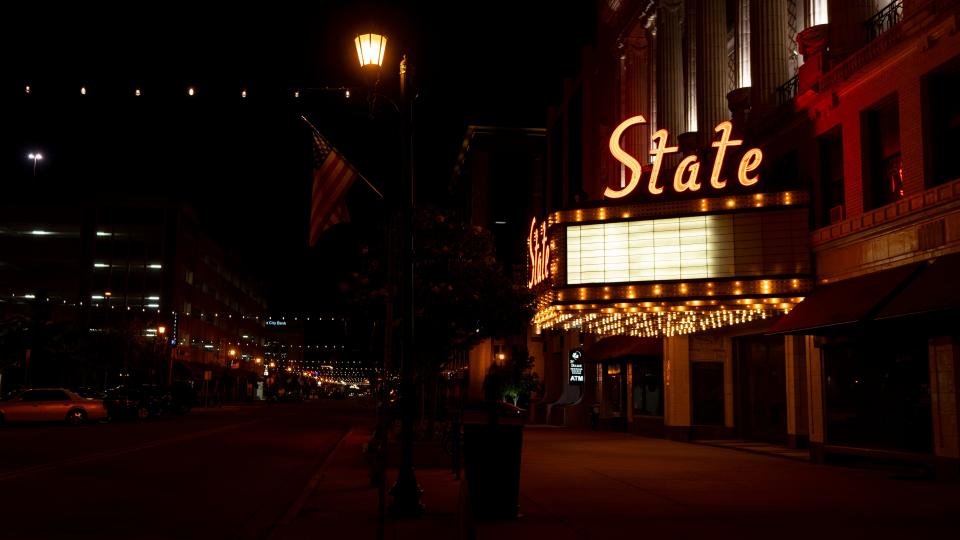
point(610, 348)
point(846, 302)
point(935, 289)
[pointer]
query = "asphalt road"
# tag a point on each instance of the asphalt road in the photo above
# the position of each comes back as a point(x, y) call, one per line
point(228, 473)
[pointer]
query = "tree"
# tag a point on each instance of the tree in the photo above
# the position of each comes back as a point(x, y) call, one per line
point(513, 380)
point(462, 294)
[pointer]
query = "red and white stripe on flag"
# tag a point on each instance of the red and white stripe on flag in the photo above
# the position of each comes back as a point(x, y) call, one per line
point(332, 176)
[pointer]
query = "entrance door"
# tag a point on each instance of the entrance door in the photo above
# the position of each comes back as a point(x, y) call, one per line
point(615, 395)
point(761, 388)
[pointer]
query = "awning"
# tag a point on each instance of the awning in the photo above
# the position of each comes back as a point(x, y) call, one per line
point(935, 289)
point(846, 302)
point(610, 348)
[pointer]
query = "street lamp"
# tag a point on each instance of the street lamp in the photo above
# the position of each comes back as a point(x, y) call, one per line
point(370, 49)
point(35, 156)
point(406, 492)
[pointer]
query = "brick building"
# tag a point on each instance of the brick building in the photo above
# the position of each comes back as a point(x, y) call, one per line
point(783, 279)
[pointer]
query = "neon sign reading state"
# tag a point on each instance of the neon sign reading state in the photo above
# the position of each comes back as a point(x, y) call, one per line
point(686, 176)
point(539, 249)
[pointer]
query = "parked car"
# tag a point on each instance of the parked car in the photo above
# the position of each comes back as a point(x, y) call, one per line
point(138, 401)
point(51, 404)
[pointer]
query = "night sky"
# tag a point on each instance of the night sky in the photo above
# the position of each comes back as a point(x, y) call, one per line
point(245, 163)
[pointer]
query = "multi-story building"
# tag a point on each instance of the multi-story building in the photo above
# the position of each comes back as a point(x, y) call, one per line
point(145, 271)
point(750, 219)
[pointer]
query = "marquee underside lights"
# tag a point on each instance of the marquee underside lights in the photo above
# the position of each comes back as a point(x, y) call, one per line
point(667, 309)
point(656, 323)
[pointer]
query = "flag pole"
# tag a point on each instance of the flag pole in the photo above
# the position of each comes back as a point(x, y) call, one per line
point(362, 177)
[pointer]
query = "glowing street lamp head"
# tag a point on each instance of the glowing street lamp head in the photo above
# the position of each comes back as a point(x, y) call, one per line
point(370, 49)
point(36, 156)
point(161, 330)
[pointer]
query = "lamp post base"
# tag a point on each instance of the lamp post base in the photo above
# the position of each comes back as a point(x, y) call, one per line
point(406, 496)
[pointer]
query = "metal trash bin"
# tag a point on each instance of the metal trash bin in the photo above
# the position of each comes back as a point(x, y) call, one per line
point(492, 444)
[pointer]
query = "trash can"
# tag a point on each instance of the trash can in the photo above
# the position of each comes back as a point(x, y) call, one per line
point(492, 443)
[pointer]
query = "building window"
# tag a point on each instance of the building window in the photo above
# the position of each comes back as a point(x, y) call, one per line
point(877, 392)
point(943, 125)
point(188, 277)
point(882, 168)
point(831, 204)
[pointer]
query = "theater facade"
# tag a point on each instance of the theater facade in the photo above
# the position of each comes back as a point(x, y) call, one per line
point(776, 266)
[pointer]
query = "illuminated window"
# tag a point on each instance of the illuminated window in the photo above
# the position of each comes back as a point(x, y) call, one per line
point(882, 172)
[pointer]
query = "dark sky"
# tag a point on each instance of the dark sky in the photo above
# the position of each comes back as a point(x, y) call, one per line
point(246, 163)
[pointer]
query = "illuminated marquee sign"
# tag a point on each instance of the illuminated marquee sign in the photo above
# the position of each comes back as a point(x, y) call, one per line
point(690, 247)
point(576, 366)
point(538, 248)
point(686, 177)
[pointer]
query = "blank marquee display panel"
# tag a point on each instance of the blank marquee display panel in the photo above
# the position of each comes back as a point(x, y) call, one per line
point(694, 247)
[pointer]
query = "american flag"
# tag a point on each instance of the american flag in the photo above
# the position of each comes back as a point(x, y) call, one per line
point(332, 176)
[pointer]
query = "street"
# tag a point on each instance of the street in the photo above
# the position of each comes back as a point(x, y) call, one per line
point(230, 472)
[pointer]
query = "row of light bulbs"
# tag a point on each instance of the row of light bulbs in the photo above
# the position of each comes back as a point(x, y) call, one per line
point(657, 323)
point(191, 91)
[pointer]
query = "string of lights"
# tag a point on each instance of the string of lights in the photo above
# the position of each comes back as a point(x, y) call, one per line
point(189, 91)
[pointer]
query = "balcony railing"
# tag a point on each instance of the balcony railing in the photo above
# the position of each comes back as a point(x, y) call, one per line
point(787, 90)
point(885, 19)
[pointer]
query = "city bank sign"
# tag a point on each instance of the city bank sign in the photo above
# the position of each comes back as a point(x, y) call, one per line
point(686, 177)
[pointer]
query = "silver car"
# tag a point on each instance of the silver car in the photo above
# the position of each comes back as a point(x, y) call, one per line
point(51, 404)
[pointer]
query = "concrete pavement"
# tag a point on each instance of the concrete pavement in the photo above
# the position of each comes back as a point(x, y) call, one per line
point(600, 485)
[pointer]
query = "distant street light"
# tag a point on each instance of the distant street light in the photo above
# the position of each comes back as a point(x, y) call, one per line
point(35, 156)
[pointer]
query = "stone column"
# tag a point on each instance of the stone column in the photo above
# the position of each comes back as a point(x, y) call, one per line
point(816, 410)
point(712, 68)
point(676, 387)
point(944, 379)
point(742, 26)
point(729, 414)
point(671, 114)
point(796, 377)
point(690, 64)
point(847, 29)
point(635, 92)
point(769, 51)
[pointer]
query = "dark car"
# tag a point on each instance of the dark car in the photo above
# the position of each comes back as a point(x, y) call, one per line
point(138, 401)
point(183, 397)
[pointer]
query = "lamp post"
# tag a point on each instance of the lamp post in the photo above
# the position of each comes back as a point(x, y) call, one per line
point(406, 492)
point(35, 156)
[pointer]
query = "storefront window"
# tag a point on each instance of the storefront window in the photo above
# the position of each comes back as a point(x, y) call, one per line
point(878, 394)
point(648, 387)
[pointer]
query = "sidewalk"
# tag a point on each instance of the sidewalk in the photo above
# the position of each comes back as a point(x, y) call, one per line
point(344, 505)
point(594, 485)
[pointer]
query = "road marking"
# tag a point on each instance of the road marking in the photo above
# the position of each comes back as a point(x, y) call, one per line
point(26, 471)
point(311, 486)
